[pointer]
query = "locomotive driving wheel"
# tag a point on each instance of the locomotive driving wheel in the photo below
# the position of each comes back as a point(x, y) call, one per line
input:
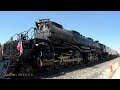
point(26, 69)
point(39, 62)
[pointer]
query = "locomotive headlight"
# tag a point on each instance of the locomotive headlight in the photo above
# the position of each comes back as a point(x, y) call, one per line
point(36, 44)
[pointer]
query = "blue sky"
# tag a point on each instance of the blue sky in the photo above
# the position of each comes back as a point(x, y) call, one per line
point(99, 25)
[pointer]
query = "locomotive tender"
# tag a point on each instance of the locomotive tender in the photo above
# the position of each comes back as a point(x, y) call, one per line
point(52, 46)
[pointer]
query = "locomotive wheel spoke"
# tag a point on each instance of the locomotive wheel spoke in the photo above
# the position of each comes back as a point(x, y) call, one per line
point(50, 68)
point(73, 63)
point(39, 62)
point(26, 69)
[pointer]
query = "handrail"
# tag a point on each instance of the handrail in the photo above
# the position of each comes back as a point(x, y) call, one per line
point(23, 32)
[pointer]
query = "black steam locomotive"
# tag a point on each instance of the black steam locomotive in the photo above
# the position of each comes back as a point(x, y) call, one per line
point(52, 46)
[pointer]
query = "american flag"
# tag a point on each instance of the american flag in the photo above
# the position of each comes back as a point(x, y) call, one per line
point(19, 47)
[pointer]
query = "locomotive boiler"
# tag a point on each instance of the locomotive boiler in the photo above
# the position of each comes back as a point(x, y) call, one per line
point(55, 33)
